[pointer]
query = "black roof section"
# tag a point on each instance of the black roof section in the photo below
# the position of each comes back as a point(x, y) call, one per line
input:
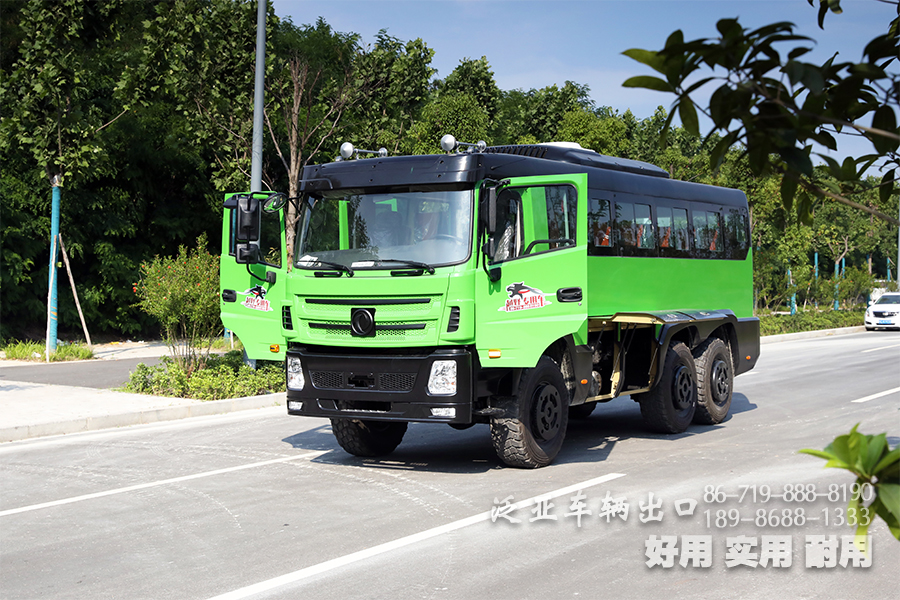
point(605, 173)
point(580, 156)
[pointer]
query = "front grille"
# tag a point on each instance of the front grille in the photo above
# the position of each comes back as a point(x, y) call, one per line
point(327, 380)
point(396, 382)
point(882, 315)
point(387, 382)
point(286, 321)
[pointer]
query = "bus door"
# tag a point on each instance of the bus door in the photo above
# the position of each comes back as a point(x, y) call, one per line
point(252, 273)
point(534, 284)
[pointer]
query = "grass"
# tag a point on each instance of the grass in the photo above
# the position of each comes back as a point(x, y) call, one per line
point(34, 351)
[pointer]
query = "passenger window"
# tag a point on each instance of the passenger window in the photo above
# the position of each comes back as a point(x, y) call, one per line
point(736, 227)
point(680, 229)
point(707, 235)
point(643, 234)
point(599, 224)
point(634, 226)
point(625, 224)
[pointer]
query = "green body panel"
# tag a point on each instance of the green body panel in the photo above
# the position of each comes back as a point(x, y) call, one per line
point(635, 284)
point(254, 317)
point(522, 330)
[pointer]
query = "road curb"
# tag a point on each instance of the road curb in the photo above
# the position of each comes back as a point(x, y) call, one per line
point(156, 415)
point(806, 335)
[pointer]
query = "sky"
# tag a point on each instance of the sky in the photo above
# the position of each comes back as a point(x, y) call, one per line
point(533, 44)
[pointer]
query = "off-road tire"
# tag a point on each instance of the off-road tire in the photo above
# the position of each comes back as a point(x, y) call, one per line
point(715, 381)
point(534, 438)
point(669, 407)
point(368, 438)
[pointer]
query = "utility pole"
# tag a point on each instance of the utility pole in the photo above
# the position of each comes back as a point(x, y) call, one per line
point(258, 98)
point(52, 307)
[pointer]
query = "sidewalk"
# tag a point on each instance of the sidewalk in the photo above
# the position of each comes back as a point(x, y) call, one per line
point(29, 410)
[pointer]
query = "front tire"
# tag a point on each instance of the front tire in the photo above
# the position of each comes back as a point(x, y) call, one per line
point(368, 438)
point(715, 381)
point(669, 407)
point(534, 438)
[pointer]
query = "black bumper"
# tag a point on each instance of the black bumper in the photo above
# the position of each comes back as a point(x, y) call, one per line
point(379, 387)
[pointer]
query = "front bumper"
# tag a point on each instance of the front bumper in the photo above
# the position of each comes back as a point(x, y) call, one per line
point(380, 387)
point(882, 319)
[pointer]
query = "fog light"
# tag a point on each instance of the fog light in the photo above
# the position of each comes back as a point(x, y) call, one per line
point(442, 381)
point(295, 405)
point(295, 380)
point(443, 412)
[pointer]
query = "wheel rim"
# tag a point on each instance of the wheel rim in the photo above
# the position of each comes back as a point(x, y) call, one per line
point(683, 388)
point(720, 385)
point(547, 412)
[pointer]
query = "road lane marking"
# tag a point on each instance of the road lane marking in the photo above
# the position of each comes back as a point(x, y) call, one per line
point(336, 563)
point(882, 348)
point(878, 395)
point(152, 484)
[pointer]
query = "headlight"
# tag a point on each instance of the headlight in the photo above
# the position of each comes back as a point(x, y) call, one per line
point(442, 381)
point(295, 380)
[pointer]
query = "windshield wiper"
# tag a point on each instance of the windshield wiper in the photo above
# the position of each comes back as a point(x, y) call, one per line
point(418, 266)
point(337, 266)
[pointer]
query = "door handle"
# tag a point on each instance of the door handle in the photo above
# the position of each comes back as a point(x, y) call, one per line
point(229, 296)
point(571, 294)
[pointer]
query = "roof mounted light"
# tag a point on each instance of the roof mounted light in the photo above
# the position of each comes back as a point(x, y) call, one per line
point(449, 144)
point(347, 151)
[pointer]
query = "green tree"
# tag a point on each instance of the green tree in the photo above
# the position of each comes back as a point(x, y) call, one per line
point(131, 182)
point(473, 77)
point(456, 113)
point(777, 107)
point(399, 74)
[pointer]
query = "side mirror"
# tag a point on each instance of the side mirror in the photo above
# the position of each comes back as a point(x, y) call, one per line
point(491, 212)
point(274, 202)
point(248, 226)
point(246, 253)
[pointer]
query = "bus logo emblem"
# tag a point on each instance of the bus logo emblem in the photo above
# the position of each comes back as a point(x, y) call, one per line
point(523, 297)
point(256, 299)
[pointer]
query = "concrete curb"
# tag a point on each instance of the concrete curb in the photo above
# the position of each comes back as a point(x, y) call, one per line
point(156, 415)
point(806, 335)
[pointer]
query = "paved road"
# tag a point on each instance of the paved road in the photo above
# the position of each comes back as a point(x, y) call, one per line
point(100, 374)
point(263, 505)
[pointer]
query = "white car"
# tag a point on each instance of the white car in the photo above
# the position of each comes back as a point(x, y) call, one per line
point(885, 312)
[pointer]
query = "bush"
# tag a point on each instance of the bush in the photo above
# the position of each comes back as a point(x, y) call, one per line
point(810, 320)
point(182, 293)
point(223, 377)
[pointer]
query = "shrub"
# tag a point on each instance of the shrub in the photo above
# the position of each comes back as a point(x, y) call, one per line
point(223, 377)
point(810, 320)
point(182, 293)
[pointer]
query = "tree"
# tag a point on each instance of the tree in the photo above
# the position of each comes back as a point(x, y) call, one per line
point(399, 73)
point(778, 106)
point(474, 77)
point(457, 113)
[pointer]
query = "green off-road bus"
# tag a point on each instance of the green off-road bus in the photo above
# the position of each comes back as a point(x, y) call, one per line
point(515, 286)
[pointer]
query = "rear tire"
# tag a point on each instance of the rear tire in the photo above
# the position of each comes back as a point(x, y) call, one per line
point(715, 381)
point(368, 438)
point(669, 407)
point(534, 438)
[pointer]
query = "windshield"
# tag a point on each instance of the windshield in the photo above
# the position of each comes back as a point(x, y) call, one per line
point(358, 229)
point(889, 299)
